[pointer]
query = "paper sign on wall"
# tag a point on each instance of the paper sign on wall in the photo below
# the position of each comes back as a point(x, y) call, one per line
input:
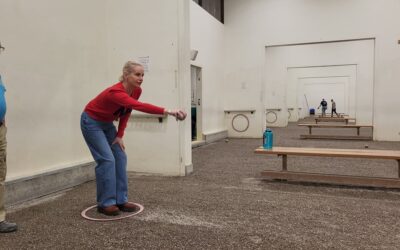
point(145, 61)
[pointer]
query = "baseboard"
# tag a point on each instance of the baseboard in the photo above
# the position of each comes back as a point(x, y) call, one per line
point(188, 169)
point(196, 144)
point(210, 137)
point(215, 136)
point(32, 187)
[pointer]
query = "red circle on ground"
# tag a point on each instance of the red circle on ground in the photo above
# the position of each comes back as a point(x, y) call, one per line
point(111, 218)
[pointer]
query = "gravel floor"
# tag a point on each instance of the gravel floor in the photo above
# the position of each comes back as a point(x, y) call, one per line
point(225, 205)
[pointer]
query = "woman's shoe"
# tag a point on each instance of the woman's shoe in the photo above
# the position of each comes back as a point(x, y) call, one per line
point(110, 210)
point(128, 207)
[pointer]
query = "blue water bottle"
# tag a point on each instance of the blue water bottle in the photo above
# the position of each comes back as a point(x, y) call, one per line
point(268, 139)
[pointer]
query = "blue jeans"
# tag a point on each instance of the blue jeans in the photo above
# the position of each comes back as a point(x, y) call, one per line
point(111, 178)
point(324, 111)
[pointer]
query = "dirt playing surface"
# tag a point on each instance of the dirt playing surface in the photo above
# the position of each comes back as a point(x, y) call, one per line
point(225, 205)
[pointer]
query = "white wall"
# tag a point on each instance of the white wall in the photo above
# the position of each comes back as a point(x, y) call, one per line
point(328, 61)
point(153, 29)
point(207, 36)
point(61, 54)
point(298, 77)
point(252, 25)
point(54, 60)
point(328, 88)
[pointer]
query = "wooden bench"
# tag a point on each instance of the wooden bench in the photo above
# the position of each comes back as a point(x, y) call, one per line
point(334, 119)
point(335, 137)
point(284, 174)
point(327, 116)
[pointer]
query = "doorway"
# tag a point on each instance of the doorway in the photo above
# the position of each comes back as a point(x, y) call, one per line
point(196, 103)
point(346, 65)
point(336, 88)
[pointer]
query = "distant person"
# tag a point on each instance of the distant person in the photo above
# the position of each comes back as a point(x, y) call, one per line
point(334, 108)
point(324, 106)
point(5, 226)
point(105, 140)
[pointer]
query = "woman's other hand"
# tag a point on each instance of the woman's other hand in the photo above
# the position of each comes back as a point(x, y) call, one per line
point(120, 142)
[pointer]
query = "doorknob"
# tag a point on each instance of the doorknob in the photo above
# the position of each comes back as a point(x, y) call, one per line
point(198, 101)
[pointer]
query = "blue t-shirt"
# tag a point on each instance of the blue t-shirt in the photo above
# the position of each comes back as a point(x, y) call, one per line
point(3, 106)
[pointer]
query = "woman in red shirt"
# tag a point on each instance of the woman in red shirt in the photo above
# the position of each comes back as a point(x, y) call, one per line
point(105, 141)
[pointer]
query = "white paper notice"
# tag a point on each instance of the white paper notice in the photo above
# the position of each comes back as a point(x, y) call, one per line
point(145, 61)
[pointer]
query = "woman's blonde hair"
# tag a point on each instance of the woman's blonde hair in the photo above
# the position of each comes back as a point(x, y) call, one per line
point(128, 68)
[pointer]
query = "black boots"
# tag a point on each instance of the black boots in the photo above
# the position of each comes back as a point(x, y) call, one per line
point(7, 227)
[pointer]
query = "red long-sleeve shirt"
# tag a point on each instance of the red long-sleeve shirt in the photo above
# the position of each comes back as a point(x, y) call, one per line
point(114, 102)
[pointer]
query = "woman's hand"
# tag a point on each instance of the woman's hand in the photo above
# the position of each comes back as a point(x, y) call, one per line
point(178, 114)
point(181, 115)
point(120, 142)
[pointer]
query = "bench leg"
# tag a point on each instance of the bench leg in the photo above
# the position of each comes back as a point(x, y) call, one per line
point(309, 130)
point(358, 131)
point(284, 162)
